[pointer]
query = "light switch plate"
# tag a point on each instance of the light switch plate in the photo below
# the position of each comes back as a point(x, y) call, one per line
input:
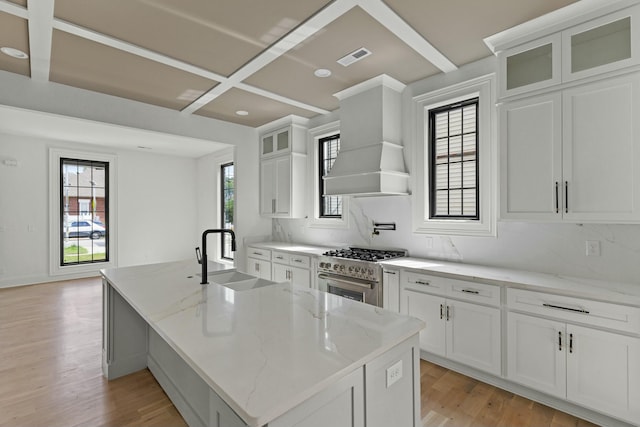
point(593, 248)
point(394, 373)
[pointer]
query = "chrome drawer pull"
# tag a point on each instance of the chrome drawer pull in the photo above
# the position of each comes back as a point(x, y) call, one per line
point(297, 260)
point(279, 257)
point(441, 311)
point(559, 307)
point(570, 343)
point(390, 272)
point(420, 282)
point(470, 291)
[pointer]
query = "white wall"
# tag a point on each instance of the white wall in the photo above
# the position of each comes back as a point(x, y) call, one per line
point(547, 247)
point(156, 211)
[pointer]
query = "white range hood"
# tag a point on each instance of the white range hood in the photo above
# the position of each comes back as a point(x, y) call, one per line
point(370, 161)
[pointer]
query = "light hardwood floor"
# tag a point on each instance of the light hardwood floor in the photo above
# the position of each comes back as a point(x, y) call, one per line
point(50, 373)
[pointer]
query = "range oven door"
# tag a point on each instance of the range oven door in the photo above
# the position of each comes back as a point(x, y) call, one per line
point(355, 289)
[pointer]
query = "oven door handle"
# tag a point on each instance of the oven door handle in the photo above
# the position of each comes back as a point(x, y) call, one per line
point(365, 285)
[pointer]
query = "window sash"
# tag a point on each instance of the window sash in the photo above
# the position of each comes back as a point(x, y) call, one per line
point(454, 188)
point(328, 148)
point(227, 190)
point(76, 195)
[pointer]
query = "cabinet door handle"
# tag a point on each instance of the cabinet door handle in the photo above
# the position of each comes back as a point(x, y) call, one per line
point(257, 267)
point(570, 343)
point(273, 205)
point(441, 311)
point(448, 317)
point(566, 197)
point(471, 291)
point(559, 340)
point(420, 282)
point(557, 199)
point(559, 307)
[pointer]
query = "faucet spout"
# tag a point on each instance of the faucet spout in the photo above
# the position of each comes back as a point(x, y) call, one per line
point(205, 233)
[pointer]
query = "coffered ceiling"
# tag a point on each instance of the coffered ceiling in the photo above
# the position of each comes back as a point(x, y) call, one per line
point(217, 57)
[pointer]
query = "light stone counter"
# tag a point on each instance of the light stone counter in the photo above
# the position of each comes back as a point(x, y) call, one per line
point(263, 351)
point(624, 293)
point(297, 248)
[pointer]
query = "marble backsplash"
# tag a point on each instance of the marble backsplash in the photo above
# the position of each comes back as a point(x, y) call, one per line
point(554, 248)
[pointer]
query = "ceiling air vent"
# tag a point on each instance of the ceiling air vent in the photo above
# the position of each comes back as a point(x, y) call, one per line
point(354, 56)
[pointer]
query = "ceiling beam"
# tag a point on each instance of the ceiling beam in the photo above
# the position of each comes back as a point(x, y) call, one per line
point(282, 46)
point(40, 14)
point(94, 36)
point(13, 9)
point(388, 18)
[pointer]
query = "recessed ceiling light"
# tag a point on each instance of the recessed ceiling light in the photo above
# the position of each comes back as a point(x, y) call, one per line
point(322, 72)
point(242, 113)
point(14, 53)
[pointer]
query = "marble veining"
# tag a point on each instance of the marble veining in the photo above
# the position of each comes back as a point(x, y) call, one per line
point(264, 350)
point(625, 293)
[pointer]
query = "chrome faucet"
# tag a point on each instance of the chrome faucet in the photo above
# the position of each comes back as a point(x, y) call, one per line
point(203, 259)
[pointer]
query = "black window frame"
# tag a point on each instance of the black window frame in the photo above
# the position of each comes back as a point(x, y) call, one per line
point(432, 160)
point(224, 243)
point(321, 172)
point(62, 204)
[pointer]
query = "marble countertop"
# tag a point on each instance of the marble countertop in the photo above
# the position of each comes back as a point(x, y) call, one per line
point(624, 293)
point(265, 350)
point(298, 248)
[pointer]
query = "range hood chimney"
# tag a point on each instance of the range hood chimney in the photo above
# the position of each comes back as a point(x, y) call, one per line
point(370, 161)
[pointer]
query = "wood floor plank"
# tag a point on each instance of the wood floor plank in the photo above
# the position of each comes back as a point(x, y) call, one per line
point(50, 374)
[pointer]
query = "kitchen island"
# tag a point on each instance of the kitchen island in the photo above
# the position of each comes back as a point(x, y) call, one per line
point(277, 355)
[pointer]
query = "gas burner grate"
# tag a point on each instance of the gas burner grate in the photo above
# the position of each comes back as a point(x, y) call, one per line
point(366, 254)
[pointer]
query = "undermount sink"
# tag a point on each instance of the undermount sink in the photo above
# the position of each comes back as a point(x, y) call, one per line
point(245, 285)
point(224, 277)
point(237, 280)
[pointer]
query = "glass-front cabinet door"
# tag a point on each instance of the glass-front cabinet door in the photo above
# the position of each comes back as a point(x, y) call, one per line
point(601, 45)
point(531, 66)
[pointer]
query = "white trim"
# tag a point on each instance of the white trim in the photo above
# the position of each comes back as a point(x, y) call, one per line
point(484, 88)
point(381, 80)
point(389, 19)
point(313, 218)
point(13, 9)
point(40, 14)
point(557, 20)
point(55, 154)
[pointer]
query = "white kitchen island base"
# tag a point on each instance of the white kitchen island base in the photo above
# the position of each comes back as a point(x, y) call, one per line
point(373, 386)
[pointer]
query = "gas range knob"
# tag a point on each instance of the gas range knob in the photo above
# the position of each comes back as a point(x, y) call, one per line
point(358, 269)
point(351, 269)
point(370, 272)
point(342, 268)
point(335, 266)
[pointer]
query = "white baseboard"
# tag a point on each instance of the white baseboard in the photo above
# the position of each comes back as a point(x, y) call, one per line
point(36, 280)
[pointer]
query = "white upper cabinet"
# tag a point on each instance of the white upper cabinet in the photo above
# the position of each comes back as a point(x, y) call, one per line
point(573, 155)
point(601, 151)
point(282, 172)
point(601, 45)
point(531, 158)
point(531, 66)
point(589, 49)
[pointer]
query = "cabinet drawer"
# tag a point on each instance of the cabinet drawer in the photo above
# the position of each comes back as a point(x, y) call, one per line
point(475, 292)
point(300, 261)
point(281, 257)
point(431, 284)
point(258, 253)
point(597, 313)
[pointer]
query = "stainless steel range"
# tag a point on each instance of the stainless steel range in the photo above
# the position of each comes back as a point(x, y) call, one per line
point(355, 273)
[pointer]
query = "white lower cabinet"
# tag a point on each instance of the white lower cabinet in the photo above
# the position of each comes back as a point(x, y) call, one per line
point(285, 268)
point(458, 330)
point(590, 367)
point(259, 262)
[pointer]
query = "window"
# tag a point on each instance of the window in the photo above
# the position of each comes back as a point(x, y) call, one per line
point(330, 206)
point(226, 203)
point(453, 154)
point(84, 211)
point(454, 163)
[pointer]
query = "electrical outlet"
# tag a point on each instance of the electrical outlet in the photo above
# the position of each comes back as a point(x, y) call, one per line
point(394, 373)
point(593, 248)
